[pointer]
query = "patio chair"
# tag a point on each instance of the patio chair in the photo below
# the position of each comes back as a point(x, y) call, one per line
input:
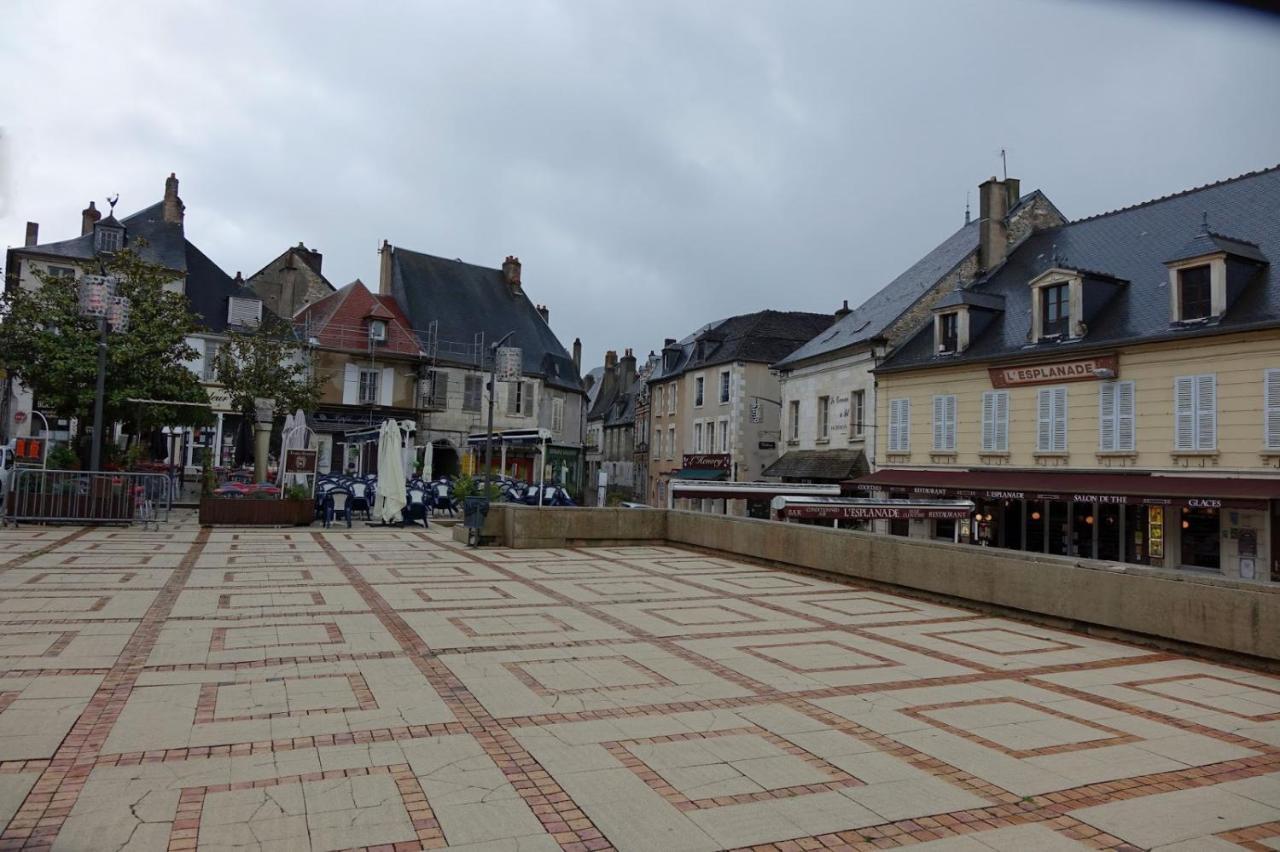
point(444, 501)
point(416, 508)
point(337, 503)
point(361, 498)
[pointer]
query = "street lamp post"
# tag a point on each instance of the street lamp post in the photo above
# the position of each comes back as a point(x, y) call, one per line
point(98, 300)
point(493, 392)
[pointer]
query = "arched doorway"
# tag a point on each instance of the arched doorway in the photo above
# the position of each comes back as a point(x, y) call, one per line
point(444, 459)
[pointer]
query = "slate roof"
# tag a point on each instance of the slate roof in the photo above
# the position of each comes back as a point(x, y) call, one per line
point(1132, 244)
point(467, 299)
point(870, 319)
point(762, 337)
point(836, 465)
point(207, 286)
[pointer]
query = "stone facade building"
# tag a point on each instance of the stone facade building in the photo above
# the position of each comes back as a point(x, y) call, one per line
point(1110, 391)
point(292, 281)
point(613, 418)
point(828, 389)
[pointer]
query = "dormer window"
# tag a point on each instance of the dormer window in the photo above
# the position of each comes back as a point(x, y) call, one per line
point(949, 332)
point(107, 238)
point(1055, 310)
point(1195, 293)
point(378, 330)
point(245, 313)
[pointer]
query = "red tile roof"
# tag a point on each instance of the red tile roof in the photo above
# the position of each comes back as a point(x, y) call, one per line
point(340, 321)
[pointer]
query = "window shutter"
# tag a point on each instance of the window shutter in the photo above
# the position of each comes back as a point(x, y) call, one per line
point(1107, 416)
point(894, 425)
point(1272, 405)
point(513, 398)
point(526, 400)
point(989, 420)
point(939, 422)
point(950, 420)
point(1044, 420)
point(1206, 412)
point(1184, 417)
point(386, 384)
point(350, 385)
point(1059, 420)
point(1125, 416)
point(1002, 421)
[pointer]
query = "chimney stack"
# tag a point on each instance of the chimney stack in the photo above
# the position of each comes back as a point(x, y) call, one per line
point(173, 206)
point(843, 311)
point(544, 312)
point(993, 230)
point(511, 274)
point(610, 360)
point(33, 234)
point(312, 258)
point(89, 217)
point(627, 369)
point(577, 354)
point(385, 252)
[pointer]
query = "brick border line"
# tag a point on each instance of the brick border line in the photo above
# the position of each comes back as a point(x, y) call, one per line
point(218, 638)
point(567, 824)
point(24, 559)
point(1137, 686)
point(1114, 738)
point(207, 702)
point(46, 807)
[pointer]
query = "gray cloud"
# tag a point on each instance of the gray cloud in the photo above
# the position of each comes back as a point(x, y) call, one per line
point(655, 165)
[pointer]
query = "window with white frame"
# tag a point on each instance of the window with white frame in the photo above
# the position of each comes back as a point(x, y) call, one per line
point(244, 312)
point(211, 350)
point(62, 272)
point(699, 388)
point(1051, 420)
point(1116, 417)
point(520, 399)
point(724, 387)
point(378, 330)
point(1271, 407)
point(793, 420)
point(697, 437)
point(824, 414)
point(857, 413)
point(995, 421)
point(724, 435)
point(369, 386)
point(557, 414)
point(900, 425)
point(671, 397)
point(944, 423)
point(711, 436)
point(1195, 413)
point(671, 442)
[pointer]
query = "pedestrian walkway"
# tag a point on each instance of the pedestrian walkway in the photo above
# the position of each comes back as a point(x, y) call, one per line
point(392, 690)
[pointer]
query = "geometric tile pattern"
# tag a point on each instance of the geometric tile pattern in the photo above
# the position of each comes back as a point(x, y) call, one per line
point(192, 689)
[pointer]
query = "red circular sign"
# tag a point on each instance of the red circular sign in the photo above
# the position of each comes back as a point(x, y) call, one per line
point(20, 417)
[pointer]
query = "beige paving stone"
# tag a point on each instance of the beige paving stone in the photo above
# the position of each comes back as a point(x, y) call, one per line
point(1184, 815)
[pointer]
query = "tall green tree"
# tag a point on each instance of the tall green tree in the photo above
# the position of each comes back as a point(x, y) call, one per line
point(47, 345)
point(267, 362)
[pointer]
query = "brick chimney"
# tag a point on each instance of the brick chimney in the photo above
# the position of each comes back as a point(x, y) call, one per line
point(33, 234)
point(511, 274)
point(385, 252)
point(610, 360)
point(577, 354)
point(544, 312)
point(626, 369)
point(89, 217)
point(173, 206)
point(995, 199)
point(843, 311)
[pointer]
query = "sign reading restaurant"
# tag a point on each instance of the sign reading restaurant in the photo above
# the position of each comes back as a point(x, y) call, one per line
point(1077, 370)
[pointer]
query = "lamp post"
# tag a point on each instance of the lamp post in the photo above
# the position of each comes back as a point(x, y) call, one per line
point(99, 301)
point(493, 392)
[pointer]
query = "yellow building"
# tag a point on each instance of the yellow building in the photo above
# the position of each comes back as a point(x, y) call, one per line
point(1111, 391)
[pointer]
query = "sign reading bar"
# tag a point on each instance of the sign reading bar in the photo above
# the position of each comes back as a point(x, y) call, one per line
point(706, 461)
point(1077, 370)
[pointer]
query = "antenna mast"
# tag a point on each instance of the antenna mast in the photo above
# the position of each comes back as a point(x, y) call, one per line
point(1004, 164)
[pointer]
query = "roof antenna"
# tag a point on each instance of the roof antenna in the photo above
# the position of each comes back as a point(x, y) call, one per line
point(111, 200)
point(966, 208)
point(1004, 164)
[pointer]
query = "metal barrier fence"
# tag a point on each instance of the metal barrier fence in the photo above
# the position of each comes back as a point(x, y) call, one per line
point(88, 497)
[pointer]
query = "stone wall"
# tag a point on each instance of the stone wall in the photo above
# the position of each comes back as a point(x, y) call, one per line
point(1210, 612)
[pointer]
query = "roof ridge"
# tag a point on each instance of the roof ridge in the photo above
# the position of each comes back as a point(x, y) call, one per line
point(1178, 194)
point(445, 259)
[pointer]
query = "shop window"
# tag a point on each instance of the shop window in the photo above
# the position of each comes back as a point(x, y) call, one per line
point(1082, 523)
point(944, 529)
point(1035, 526)
point(1201, 539)
point(1057, 514)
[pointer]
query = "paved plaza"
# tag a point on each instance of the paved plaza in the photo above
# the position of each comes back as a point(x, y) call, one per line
point(392, 690)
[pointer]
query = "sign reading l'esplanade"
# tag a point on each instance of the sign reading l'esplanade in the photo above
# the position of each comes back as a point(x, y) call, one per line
point(1075, 370)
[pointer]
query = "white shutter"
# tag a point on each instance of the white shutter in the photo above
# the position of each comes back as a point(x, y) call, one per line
point(1184, 413)
point(989, 420)
point(526, 399)
point(1125, 416)
point(1107, 416)
point(513, 398)
point(1271, 401)
point(904, 425)
point(350, 385)
point(1059, 420)
point(1206, 412)
point(1044, 420)
point(950, 420)
point(1002, 421)
point(939, 422)
point(386, 384)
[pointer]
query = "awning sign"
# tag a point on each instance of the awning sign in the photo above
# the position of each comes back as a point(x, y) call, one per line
point(1077, 370)
point(706, 461)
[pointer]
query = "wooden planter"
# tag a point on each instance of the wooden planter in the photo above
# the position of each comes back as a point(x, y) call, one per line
point(251, 512)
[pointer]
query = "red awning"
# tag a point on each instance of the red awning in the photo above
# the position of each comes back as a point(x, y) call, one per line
point(1206, 491)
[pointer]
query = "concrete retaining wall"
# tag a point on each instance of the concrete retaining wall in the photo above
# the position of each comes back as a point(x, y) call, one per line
point(1229, 615)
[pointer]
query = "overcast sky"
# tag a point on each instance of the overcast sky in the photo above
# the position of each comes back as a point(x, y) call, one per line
point(655, 165)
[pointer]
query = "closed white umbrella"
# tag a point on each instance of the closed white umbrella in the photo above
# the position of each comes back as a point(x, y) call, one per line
point(390, 498)
point(286, 434)
point(301, 436)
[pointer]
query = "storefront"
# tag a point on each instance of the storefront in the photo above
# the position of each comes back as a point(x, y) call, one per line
point(1217, 524)
point(528, 455)
point(693, 491)
point(856, 511)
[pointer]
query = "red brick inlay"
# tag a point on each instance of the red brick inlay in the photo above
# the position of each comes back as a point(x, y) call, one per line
point(185, 833)
point(1251, 837)
point(224, 601)
point(658, 612)
point(304, 575)
point(502, 594)
point(467, 625)
point(125, 577)
point(1048, 645)
point(518, 670)
point(621, 751)
point(1142, 686)
point(1115, 737)
point(206, 705)
point(218, 639)
point(762, 652)
point(886, 607)
point(99, 604)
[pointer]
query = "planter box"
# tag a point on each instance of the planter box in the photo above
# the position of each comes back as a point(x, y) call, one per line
point(250, 512)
